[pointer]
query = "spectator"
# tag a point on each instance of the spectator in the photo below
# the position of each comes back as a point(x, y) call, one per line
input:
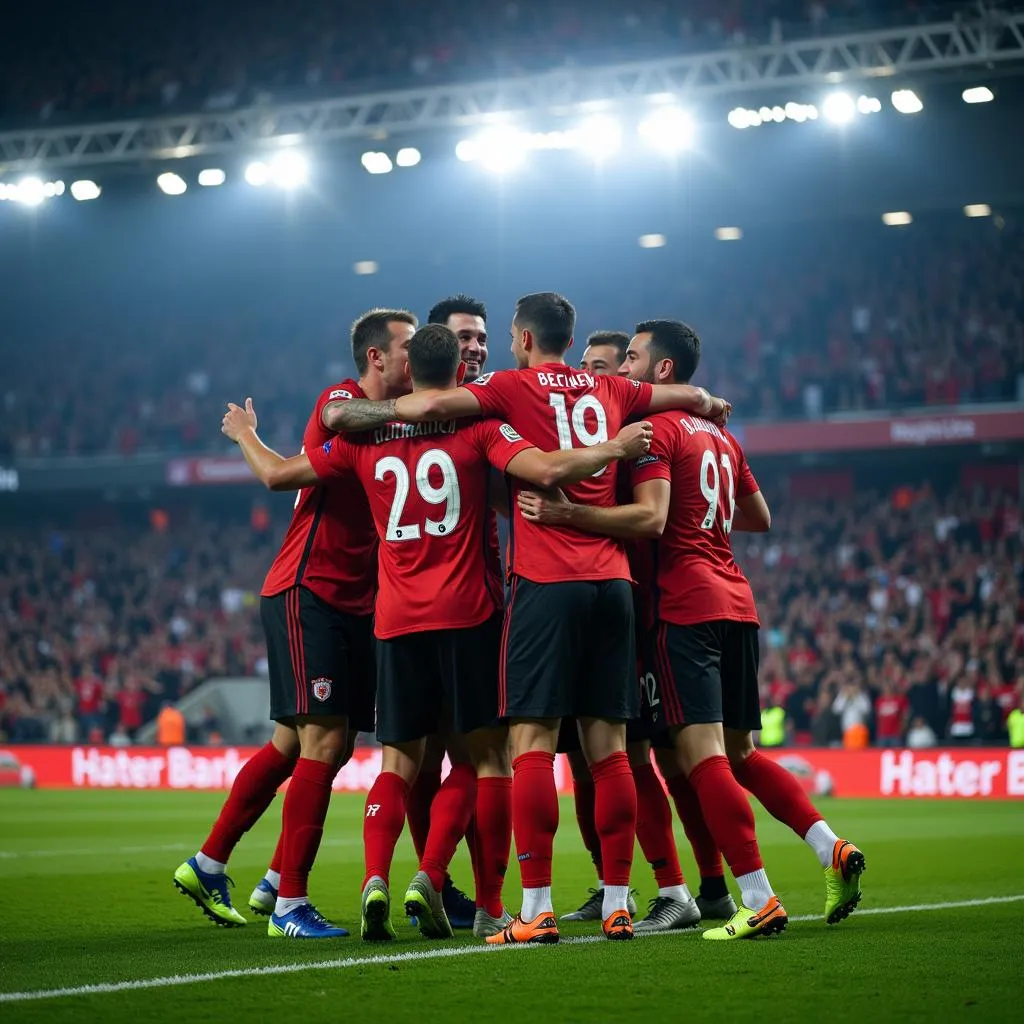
point(891, 709)
point(920, 735)
point(119, 737)
point(170, 727)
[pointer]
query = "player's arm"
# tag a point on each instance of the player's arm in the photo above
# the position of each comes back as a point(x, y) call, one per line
point(557, 469)
point(687, 398)
point(752, 514)
point(273, 471)
point(644, 519)
point(418, 407)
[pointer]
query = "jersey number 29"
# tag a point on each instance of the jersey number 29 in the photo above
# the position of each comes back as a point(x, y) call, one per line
point(447, 494)
point(711, 487)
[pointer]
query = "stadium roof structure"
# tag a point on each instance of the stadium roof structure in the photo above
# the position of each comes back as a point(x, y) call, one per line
point(979, 42)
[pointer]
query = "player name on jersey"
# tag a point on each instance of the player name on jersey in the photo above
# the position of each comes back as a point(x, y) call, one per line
point(402, 431)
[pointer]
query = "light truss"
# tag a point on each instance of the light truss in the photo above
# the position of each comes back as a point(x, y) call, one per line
point(976, 42)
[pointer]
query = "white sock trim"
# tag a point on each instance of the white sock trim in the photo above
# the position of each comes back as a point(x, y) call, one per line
point(822, 840)
point(616, 898)
point(755, 889)
point(536, 902)
point(273, 877)
point(676, 892)
point(286, 906)
point(209, 865)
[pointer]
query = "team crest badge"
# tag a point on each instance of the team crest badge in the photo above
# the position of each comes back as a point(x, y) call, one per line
point(321, 689)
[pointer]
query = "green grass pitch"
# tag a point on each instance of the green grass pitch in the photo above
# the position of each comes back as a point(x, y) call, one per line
point(87, 900)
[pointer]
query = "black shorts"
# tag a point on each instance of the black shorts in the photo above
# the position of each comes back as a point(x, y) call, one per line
point(569, 738)
point(321, 659)
point(708, 673)
point(568, 649)
point(650, 725)
point(426, 680)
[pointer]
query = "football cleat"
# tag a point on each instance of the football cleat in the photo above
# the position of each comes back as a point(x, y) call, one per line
point(424, 902)
point(748, 924)
point(263, 899)
point(593, 908)
point(375, 924)
point(304, 922)
point(842, 881)
point(721, 909)
point(618, 926)
point(666, 914)
point(485, 926)
point(542, 930)
point(461, 910)
point(209, 893)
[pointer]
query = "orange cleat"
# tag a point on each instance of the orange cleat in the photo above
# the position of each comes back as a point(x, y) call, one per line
point(542, 930)
point(619, 926)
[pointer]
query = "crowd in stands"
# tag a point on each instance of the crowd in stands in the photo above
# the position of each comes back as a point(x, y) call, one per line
point(895, 617)
point(842, 323)
point(130, 59)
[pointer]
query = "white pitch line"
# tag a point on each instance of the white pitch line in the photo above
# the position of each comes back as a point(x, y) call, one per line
point(439, 953)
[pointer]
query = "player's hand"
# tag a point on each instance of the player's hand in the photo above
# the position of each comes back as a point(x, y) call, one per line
point(547, 508)
point(236, 420)
point(720, 410)
point(635, 439)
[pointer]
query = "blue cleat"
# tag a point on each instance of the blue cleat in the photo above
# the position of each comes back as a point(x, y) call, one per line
point(305, 922)
point(461, 910)
point(263, 899)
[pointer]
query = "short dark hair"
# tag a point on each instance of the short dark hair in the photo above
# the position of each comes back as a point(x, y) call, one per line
point(619, 340)
point(459, 303)
point(672, 339)
point(550, 318)
point(371, 331)
point(433, 355)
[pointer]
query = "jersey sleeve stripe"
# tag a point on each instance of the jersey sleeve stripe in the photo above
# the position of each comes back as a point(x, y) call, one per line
point(295, 646)
point(311, 536)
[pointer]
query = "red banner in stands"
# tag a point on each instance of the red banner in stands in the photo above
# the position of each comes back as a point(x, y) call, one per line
point(211, 470)
point(902, 432)
point(968, 773)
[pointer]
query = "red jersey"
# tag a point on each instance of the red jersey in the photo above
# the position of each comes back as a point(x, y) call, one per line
point(428, 485)
point(131, 703)
point(698, 579)
point(890, 714)
point(331, 546)
point(90, 695)
point(1005, 697)
point(556, 407)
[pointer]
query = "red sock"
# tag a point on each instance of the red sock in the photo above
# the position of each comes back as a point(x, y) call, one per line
point(449, 818)
point(615, 816)
point(473, 844)
point(494, 838)
point(305, 809)
point(777, 791)
point(534, 815)
point(583, 794)
point(421, 797)
point(705, 849)
point(383, 823)
point(728, 814)
point(275, 861)
point(251, 794)
point(654, 827)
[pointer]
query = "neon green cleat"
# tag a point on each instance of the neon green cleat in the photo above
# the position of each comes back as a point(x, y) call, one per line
point(376, 923)
point(424, 902)
point(842, 881)
point(746, 924)
point(209, 893)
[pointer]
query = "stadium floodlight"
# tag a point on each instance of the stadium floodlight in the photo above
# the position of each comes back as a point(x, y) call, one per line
point(365, 267)
point(467, 150)
point(257, 174)
point(669, 129)
point(740, 117)
point(906, 101)
point(377, 163)
point(839, 108)
point(289, 169)
point(898, 218)
point(85, 190)
point(978, 94)
point(652, 241)
point(171, 184)
point(212, 177)
point(869, 104)
point(599, 136)
point(728, 234)
point(978, 210)
point(501, 149)
point(29, 192)
point(800, 112)
point(408, 156)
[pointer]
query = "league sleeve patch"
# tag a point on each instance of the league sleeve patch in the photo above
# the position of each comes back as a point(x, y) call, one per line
point(327, 447)
point(635, 383)
point(646, 460)
point(508, 432)
point(335, 395)
point(481, 380)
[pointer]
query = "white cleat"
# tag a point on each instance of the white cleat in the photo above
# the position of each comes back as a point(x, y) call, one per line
point(484, 925)
point(667, 914)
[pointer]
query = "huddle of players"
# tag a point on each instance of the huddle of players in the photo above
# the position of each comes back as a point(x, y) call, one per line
point(566, 646)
